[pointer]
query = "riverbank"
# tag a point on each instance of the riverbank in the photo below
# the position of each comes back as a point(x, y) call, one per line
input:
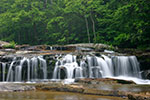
point(36, 64)
point(100, 87)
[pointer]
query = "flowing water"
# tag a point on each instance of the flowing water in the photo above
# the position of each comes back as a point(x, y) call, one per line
point(71, 67)
point(120, 67)
point(24, 70)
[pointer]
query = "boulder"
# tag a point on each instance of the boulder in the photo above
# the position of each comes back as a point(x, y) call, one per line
point(2, 43)
point(97, 46)
point(10, 87)
point(146, 74)
point(139, 96)
point(105, 80)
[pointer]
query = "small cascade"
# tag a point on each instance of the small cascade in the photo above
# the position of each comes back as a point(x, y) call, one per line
point(52, 48)
point(18, 70)
point(23, 69)
point(105, 70)
point(10, 72)
point(27, 69)
point(96, 67)
point(34, 64)
point(126, 66)
point(43, 67)
point(110, 64)
point(28, 73)
point(3, 71)
point(69, 65)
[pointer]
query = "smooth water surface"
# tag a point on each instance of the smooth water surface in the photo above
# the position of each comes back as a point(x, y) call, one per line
point(48, 95)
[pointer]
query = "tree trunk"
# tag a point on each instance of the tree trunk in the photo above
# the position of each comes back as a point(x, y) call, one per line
point(19, 38)
point(93, 26)
point(28, 36)
point(87, 28)
point(34, 33)
point(51, 2)
point(45, 3)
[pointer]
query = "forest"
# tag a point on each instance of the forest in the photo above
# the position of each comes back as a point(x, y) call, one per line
point(122, 23)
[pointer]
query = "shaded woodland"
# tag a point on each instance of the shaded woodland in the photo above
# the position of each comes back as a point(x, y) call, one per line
point(122, 23)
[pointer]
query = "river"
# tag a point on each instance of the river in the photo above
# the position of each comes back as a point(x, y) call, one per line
point(49, 95)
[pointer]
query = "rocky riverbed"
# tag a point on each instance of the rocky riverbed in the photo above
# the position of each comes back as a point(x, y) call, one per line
point(78, 49)
point(101, 87)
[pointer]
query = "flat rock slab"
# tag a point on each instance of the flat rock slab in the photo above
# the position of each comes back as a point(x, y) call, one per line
point(10, 87)
point(102, 88)
point(145, 96)
point(106, 80)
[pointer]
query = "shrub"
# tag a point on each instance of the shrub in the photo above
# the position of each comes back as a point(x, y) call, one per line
point(11, 45)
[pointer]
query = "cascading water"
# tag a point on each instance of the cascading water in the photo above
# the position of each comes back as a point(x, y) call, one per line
point(4, 69)
point(25, 69)
point(70, 67)
point(126, 66)
point(97, 67)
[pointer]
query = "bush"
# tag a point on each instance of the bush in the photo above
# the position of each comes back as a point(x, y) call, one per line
point(11, 45)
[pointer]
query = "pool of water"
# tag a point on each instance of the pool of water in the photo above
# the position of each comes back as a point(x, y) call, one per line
point(49, 95)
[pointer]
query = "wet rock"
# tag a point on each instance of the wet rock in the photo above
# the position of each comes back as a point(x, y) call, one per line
point(22, 47)
point(78, 88)
point(124, 81)
point(60, 87)
point(9, 50)
point(2, 43)
point(138, 96)
point(33, 48)
point(90, 46)
point(106, 80)
point(6, 59)
point(82, 49)
point(24, 52)
point(104, 92)
point(146, 74)
point(144, 60)
point(2, 53)
point(15, 87)
point(143, 57)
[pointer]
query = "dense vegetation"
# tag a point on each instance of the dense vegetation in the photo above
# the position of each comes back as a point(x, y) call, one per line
point(125, 23)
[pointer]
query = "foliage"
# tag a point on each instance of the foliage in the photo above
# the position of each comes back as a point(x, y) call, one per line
point(123, 23)
point(11, 45)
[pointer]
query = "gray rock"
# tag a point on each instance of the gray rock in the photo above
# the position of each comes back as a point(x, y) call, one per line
point(15, 87)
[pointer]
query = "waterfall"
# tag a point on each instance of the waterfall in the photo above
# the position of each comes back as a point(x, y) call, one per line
point(10, 71)
point(26, 69)
point(43, 67)
point(104, 67)
point(28, 66)
point(97, 67)
point(69, 67)
point(126, 66)
point(3, 71)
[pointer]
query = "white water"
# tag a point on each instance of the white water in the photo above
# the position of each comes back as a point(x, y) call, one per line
point(26, 70)
point(97, 67)
point(69, 67)
point(10, 71)
point(121, 67)
point(4, 68)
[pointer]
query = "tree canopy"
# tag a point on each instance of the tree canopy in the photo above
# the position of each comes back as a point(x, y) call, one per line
point(123, 23)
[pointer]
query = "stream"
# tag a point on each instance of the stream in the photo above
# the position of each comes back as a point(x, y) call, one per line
point(45, 75)
point(48, 95)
